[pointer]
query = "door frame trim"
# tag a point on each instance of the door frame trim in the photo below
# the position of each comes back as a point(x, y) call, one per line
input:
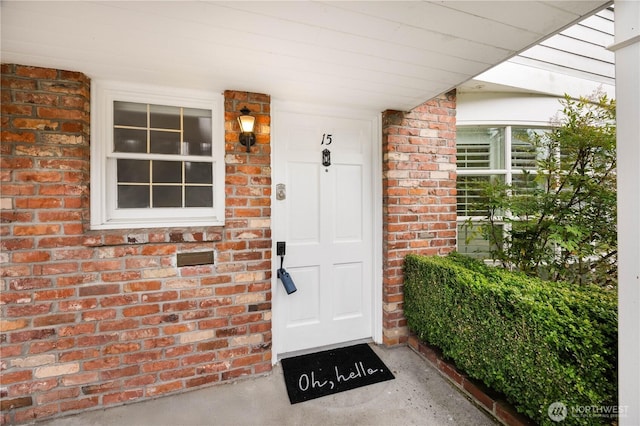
point(279, 107)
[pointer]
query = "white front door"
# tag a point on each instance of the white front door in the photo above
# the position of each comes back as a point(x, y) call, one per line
point(323, 163)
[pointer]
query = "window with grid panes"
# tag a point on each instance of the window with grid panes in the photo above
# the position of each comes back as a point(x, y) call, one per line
point(148, 133)
point(487, 154)
point(159, 158)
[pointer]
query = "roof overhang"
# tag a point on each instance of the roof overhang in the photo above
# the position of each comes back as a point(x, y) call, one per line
point(370, 54)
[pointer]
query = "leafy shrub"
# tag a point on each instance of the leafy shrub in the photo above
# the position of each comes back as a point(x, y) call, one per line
point(560, 222)
point(536, 342)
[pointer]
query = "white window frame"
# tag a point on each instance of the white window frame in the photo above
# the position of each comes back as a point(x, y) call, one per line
point(104, 211)
point(507, 171)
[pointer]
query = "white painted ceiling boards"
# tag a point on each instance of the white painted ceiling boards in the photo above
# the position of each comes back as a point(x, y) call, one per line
point(373, 54)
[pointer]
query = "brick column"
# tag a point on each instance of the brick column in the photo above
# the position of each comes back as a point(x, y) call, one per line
point(44, 206)
point(248, 217)
point(419, 196)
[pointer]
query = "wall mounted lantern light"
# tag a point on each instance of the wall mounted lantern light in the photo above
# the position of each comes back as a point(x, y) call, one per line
point(246, 121)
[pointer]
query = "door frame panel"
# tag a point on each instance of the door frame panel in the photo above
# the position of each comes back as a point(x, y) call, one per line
point(282, 107)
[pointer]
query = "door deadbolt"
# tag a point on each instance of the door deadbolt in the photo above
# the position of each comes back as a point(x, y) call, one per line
point(326, 158)
point(281, 191)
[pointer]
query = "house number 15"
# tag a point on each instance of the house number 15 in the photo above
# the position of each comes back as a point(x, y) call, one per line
point(326, 139)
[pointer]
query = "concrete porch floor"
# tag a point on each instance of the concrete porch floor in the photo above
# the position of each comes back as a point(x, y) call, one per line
point(419, 395)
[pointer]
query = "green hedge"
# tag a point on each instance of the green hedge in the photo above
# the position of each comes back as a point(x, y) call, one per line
point(536, 342)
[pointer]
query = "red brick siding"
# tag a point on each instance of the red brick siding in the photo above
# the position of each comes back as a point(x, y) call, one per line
point(419, 196)
point(93, 319)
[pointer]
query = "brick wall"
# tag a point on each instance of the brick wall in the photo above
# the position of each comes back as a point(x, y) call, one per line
point(94, 319)
point(419, 196)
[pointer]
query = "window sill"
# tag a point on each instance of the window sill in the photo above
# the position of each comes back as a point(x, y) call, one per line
point(113, 237)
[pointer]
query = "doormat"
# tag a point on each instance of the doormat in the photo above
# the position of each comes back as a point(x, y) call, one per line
point(337, 370)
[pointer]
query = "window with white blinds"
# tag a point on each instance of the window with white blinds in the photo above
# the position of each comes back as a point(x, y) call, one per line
point(480, 148)
point(523, 152)
point(474, 156)
point(487, 154)
point(470, 191)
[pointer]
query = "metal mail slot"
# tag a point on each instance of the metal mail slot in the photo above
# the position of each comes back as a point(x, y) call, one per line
point(195, 258)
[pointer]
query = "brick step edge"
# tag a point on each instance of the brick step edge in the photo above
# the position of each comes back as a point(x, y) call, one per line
point(487, 399)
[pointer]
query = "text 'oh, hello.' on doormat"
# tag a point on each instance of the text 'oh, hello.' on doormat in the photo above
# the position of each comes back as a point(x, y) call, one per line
point(332, 371)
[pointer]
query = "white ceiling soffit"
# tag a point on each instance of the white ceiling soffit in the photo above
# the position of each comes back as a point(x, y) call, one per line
point(373, 54)
point(576, 61)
